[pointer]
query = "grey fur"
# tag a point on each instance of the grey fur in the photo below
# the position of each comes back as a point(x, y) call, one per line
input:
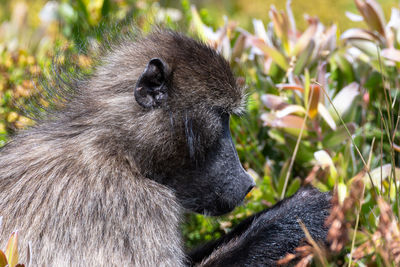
point(86, 186)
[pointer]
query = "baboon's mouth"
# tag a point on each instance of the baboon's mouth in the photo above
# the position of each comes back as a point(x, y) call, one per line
point(248, 191)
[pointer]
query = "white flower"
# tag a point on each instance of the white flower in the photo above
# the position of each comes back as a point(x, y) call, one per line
point(49, 12)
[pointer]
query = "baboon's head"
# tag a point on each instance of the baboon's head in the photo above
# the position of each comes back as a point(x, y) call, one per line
point(171, 98)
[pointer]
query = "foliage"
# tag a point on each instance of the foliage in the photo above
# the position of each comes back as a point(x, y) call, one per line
point(323, 109)
point(330, 12)
point(312, 93)
point(23, 54)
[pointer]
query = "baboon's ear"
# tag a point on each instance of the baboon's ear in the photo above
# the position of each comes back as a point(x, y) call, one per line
point(152, 88)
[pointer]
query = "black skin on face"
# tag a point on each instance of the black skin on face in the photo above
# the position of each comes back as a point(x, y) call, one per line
point(220, 183)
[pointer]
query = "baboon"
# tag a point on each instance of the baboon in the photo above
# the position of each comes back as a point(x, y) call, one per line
point(105, 178)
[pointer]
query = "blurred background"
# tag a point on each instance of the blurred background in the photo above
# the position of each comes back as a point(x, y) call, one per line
point(329, 11)
point(323, 108)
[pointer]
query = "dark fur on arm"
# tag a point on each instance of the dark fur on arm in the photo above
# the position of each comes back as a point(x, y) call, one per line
point(269, 235)
point(204, 251)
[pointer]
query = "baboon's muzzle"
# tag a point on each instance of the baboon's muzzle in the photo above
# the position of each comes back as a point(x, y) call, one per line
point(231, 181)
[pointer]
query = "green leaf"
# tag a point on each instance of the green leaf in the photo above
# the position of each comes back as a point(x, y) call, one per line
point(293, 187)
point(305, 152)
point(67, 13)
point(277, 136)
point(339, 136)
point(282, 176)
point(306, 87)
point(344, 65)
point(106, 8)
point(83, 9)
point(304, 58)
